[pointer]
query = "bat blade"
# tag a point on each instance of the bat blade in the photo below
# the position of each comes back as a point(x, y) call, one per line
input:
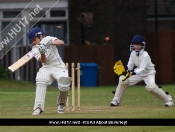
point(23, 60)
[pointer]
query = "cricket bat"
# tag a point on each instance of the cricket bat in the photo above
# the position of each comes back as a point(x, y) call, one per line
point(23, 60)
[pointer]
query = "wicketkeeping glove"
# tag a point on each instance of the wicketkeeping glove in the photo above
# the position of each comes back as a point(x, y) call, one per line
point(119, 68)
point(42, 49)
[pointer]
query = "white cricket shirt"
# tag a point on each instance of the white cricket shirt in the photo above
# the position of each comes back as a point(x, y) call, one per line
point(52, 55)
point(142, 62)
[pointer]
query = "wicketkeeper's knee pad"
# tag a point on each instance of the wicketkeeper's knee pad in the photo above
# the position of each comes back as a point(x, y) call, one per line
point(150, 87)
point(158, 92)
point(64, 83)
point(126, 82)
point(42, 77)
point(120, 89)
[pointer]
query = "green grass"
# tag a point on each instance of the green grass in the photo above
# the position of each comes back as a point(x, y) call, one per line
point(17, 100)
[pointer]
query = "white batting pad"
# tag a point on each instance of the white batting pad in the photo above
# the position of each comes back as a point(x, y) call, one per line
point(64, 83)
point(40, 96)
point(62, 98)
point(120, 89)
point(158, 92)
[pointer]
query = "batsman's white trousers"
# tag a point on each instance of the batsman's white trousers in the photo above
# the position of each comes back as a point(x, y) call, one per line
point(51, 73)
point(149, 79)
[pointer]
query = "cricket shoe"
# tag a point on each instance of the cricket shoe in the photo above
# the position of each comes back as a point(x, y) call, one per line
point(61, 109)
point(114, 103)
point(37, 111)
point(169, 103)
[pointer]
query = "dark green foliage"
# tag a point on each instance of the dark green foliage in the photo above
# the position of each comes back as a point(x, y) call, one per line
point(4, 73)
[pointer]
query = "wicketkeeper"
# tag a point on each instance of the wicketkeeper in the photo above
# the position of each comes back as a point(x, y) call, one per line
point(139, 68)
point(53, 69)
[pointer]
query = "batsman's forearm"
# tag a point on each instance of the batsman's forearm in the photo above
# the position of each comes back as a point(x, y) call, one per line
point(43, 58)
point(58, 42)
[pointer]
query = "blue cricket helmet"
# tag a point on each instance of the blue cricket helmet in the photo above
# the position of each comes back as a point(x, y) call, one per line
point(138, 39)
point(34, 32)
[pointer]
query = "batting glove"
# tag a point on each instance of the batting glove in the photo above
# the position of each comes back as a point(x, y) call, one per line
point(42, 49)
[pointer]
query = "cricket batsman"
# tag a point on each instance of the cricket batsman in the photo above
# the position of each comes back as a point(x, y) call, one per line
point(52, 69)
point(139, 68)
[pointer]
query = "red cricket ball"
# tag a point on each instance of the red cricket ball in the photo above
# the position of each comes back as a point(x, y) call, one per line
point(107, 39)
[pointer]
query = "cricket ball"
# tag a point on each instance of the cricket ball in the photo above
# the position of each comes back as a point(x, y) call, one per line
point(107, 39)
